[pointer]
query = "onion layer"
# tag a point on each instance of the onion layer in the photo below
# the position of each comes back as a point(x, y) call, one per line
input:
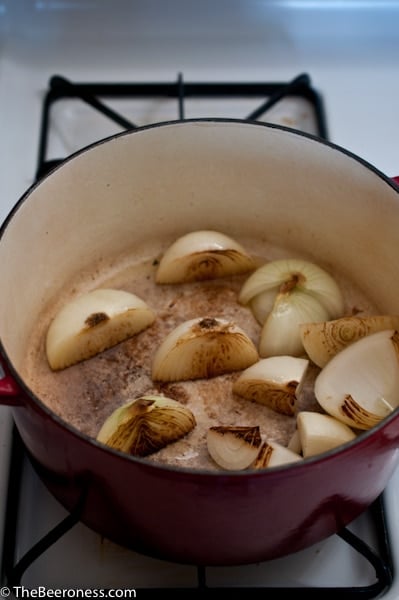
point(280, 332)
point(272, 454)
point(285, 275)
point(324, 340)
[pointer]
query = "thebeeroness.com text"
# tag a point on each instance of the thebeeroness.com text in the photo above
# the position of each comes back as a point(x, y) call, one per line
point(20, 591)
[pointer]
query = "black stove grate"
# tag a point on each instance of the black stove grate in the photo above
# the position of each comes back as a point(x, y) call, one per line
point(96, 94)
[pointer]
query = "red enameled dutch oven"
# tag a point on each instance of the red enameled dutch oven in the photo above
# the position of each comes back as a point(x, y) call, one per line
point(244, 179)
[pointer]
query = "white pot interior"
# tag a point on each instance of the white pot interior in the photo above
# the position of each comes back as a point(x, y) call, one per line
point(143, 189)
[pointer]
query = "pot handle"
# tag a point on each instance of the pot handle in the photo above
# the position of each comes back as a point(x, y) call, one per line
point(10, 392)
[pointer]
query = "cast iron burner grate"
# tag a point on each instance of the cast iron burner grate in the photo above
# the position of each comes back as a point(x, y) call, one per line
point(96, 95)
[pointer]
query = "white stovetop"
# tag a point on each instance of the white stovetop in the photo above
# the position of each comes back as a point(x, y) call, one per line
point(349, 48)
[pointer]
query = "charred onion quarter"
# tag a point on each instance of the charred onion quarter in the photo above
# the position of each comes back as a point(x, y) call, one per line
point(275, 382)
point(324, 340)
point(93, 322)
point(201, 255)
point(203, 347)
point(234, 448)
point(146, 425)
point(360, 385)
point(284, 293)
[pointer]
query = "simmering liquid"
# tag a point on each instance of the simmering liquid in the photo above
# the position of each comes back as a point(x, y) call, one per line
point(84, 395)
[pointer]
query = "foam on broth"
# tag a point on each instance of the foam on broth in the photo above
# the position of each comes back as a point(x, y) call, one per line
point(84, 395)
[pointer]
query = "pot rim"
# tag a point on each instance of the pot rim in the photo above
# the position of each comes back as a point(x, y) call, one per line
point(321, 459)
point(181, 122)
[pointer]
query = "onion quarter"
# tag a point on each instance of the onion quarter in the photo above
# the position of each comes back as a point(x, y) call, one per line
point(201, 255)
point(202, 348)
point(262, 304)
point(93, 322)
point(320, 433)
point(233, 448)
point(275, 382)
point(146, 425)
point(360, 385)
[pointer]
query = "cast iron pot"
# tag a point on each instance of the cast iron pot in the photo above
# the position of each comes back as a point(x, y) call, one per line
point(243, 179)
